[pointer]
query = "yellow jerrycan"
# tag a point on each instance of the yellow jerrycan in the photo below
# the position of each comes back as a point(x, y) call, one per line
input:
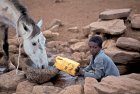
point(67, 65)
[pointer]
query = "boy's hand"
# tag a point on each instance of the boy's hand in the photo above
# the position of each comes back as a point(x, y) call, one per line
point(81, 72)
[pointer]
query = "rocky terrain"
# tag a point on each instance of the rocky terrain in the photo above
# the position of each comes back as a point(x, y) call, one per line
point(68, 24)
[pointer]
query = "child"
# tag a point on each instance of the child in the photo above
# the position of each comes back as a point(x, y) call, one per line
point(100, 64)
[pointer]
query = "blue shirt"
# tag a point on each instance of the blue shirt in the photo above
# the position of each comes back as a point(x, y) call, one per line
point(101, 66)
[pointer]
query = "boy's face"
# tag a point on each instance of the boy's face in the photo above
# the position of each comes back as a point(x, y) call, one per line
point(94, 48)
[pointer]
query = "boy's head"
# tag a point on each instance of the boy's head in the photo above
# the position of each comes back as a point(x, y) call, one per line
point(95, 44)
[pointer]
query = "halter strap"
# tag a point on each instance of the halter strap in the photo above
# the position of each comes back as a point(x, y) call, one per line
point(17, 24)
point(20, 43)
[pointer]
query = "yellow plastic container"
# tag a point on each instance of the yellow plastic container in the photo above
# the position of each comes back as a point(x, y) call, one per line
point(67, 65)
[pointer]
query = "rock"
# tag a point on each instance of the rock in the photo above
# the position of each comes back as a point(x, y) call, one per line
point(59, 46)
point(113, 27)
point(118, 85)
point(55, 22)
point(50, 34)
point(128, 44)
point(119, 55)
point(135, 21)
point(85, 31)
point(72, 41)
point(10, 80)
point(46, 90)
point(55, 44)
point(135, 76)
point(67, 50)
point(89, 86)
point(86, 59)
point(79, 46)
point(78, 56)
point(24, 87)
point(115, 14)
point(73, 89)
point(108, 44)
point(73, 29)
point(54, 28)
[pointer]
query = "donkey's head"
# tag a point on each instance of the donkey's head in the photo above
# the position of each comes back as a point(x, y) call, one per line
point(33, 42)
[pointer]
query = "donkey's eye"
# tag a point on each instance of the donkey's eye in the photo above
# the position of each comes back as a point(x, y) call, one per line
point(34, 44)
point(25, 27)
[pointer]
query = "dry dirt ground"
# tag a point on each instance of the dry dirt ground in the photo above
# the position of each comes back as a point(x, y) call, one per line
point(76, 13)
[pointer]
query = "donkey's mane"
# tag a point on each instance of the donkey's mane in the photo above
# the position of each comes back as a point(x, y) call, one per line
point(19, 7)
point(25, 17)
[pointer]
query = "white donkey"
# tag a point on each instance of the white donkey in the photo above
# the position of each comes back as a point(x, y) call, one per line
point(12, 13)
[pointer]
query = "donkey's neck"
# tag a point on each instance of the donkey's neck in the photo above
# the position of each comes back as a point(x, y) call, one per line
point(9, 14)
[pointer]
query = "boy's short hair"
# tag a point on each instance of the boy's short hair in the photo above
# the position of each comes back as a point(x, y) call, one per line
point(96, 39)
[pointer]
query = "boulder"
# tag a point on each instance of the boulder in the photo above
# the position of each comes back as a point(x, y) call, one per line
point(10, 80)
point(73, 89)
point(50, 34)
point(56, 44)
point(119, 55)
point(135, 76)
point(128, 44)
point(55, 22)
point(89, 86)
point(79, 46)
point(135, 21)
point(118, 85)
point(73, 29)
point(115, 14)
point(46, 90)
point(113, 27)
point(72, 41)
point(86, 30)
point(24, 87)
point(59, 46)
point(54, 28)
point(78, 56)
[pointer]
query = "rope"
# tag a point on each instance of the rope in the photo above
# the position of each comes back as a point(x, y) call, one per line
point(20, 43)
point(19, 54)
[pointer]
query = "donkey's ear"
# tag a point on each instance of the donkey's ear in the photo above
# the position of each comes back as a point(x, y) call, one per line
point(40, 23)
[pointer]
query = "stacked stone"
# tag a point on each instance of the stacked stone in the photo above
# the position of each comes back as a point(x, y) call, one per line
point(123, 50)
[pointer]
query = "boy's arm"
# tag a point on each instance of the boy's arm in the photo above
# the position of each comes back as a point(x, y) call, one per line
point(89, 67)
point(97, 72)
